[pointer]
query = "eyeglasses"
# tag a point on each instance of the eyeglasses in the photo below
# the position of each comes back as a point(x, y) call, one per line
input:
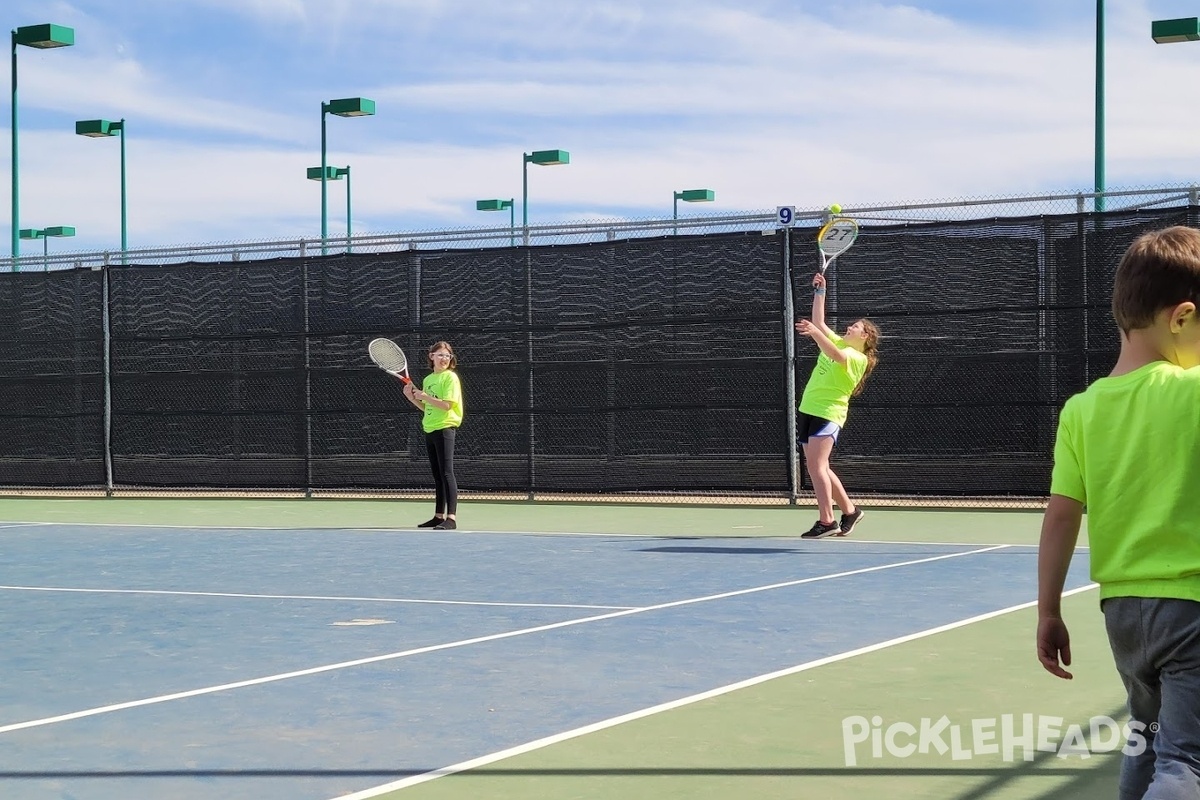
point(441, 355)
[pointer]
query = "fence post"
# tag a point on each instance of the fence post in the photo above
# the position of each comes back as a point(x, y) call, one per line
point(106, 333)
point(789, 369)
point(308, 470)
point(531, 467)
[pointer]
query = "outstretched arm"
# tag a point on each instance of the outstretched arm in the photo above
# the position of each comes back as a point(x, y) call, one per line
point(822, 339)
point(1060, 530)
point(818, 306)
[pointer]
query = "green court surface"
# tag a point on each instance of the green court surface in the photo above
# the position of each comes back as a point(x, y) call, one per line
point(782, 736)
point(882, 524)
point(782, 739)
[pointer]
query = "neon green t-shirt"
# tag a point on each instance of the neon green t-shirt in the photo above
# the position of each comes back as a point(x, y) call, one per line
point(1128, 448)
point(827, 393)
point(444, 386)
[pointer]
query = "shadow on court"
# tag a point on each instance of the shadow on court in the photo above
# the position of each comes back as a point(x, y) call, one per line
point(722, 550)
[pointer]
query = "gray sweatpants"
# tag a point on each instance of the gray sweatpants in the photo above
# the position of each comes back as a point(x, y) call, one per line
point(1156, 645)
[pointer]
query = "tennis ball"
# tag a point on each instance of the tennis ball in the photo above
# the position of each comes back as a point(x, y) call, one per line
point(835, 208)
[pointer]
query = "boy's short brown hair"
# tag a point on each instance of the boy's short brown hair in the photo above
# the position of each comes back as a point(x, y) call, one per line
point(1159, 270)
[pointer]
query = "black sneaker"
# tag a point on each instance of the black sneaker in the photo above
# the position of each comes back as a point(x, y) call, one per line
point(820, 530)
point(849, 521)
point(433, 523)
point(447, 525)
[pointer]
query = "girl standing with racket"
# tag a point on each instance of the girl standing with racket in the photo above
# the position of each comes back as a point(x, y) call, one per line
point(842, 365)
point(440, 398)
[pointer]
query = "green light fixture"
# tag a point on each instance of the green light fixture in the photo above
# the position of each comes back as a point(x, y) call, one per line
point(335, 174)
point(101, 129)
point(345, 107)
point(39, 37)
point(501, 205)
point(1169, 31)
point(46, 234)
point(691, 196)
point(543, 158)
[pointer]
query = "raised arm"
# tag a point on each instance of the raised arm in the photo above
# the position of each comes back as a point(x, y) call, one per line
point(826, 344)
point(818, 306)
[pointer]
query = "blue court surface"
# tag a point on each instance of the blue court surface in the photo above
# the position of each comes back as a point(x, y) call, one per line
point(182, 663)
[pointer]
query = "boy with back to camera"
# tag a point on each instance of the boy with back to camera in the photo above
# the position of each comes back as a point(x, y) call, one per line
point(1128, 449)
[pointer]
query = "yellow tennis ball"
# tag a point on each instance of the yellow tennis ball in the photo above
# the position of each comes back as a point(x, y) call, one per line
point(835, 208)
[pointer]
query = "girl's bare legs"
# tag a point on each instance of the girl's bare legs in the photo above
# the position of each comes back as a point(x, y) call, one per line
point(816, 456)
point(839, 495)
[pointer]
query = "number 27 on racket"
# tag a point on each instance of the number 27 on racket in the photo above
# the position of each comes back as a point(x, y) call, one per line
point(388, 356)
point(835, 238)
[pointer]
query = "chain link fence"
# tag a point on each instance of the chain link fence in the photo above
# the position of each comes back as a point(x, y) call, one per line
point(172, 381)
point(608, 230)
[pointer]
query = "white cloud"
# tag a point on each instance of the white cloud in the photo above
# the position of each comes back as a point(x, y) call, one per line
point(765, 102)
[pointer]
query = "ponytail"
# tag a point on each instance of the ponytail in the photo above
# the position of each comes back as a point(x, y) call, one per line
point(870, 350)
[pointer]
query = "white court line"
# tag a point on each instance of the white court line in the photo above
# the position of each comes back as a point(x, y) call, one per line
point(940, 544)
point(538, 744)
point(665, 536)
point(91, 712)
point(311, 597)
point(288, 528)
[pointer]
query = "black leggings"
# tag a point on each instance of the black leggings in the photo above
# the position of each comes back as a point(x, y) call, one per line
point(440, 445)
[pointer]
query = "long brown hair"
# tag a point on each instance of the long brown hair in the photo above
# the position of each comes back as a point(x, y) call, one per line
point(871, 336)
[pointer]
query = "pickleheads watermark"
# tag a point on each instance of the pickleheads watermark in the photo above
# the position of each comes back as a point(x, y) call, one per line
point(1005, 736)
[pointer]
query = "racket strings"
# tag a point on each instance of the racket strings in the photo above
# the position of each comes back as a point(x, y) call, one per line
point(837, 237)
point(387, 355)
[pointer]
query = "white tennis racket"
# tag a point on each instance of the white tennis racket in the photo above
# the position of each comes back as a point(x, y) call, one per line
point(835, 238)
point(388, 356)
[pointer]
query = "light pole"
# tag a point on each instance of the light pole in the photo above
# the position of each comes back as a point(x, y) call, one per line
point(543, 158)
point(45, 234)
point(100, 128)
point(1170, 31)
point(41, 37)
point(336, 174)
point(500, 205)
point(691, 196)
point(346, 107)
point(1099, 201)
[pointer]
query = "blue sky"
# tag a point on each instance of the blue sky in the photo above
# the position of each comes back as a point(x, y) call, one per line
point(766, 102)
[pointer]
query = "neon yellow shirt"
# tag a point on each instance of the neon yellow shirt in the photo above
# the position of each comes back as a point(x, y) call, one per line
point(1128, 448)
point(444, 386)
point(827, 393)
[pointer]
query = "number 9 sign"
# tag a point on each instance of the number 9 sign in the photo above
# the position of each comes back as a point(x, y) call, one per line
point(785, 216)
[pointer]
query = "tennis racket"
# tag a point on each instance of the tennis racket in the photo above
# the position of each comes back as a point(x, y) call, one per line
point(388, 356)
point(835, 238)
